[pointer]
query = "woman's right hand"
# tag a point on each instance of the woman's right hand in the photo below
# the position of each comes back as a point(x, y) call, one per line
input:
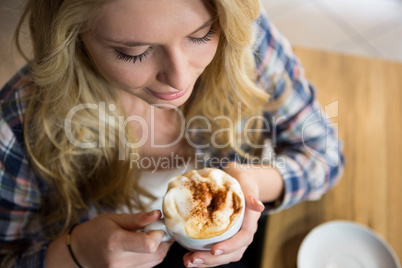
point(109, 240)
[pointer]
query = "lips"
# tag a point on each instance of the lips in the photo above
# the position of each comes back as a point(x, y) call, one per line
point(169, 96)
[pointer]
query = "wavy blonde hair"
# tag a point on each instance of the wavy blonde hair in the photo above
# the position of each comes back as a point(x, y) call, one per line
point(64, 77)
point(227, 85)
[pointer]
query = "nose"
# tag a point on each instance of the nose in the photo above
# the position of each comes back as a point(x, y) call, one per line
point(175, 69)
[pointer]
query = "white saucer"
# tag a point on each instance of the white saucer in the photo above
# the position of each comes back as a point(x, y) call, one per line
point(345, 244)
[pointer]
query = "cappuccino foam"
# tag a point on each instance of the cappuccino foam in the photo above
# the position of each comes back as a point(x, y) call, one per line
point(203, 203)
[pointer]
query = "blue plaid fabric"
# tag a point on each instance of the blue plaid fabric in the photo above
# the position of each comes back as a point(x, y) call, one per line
point(306, 150)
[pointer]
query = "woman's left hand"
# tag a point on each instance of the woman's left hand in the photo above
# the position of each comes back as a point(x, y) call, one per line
point(232, 250)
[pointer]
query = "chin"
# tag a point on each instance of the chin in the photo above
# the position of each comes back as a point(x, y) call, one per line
point(168, 105)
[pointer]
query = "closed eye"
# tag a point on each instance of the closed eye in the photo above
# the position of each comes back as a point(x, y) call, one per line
point(203, 39)
point(128, 58)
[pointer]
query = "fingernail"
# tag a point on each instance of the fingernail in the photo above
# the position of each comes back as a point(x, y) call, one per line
point(218, 252)
point(198, 261)
point(152, 213)
point(258, 202)
point(192, 265)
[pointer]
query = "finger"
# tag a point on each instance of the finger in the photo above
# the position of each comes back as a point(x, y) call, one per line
point(243, 238)
point(239, 241)
point(163, 249)
point(135, 221)
point(161, 253)
point(188, 261)
point(254, 204)
point(138, 242)
point(206, 259)
point(236, 244)
point(151, 260)
point(250, 222)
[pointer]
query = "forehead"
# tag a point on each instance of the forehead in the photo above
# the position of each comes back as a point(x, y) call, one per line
point(148, 19)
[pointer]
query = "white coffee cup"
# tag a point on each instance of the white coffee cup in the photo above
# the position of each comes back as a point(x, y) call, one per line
point(195, 244)
point(209, 193)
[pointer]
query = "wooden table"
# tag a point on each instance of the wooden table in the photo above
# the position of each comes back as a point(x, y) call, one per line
point(369, 95)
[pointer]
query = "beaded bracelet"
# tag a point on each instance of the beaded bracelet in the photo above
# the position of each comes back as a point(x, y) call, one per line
point(69, 245)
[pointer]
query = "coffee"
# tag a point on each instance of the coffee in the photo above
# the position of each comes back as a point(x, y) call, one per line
point(202, 203)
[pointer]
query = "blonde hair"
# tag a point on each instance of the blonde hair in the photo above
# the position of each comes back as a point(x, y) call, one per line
point(64, 77)
point(227, 85)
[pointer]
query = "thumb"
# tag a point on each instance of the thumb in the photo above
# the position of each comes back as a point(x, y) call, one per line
point(136, 221)
point(254, 204)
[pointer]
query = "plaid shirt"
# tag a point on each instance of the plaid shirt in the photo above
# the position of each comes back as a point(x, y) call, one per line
point(303, 147)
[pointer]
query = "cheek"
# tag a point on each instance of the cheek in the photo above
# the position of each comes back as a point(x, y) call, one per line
point(206, 56)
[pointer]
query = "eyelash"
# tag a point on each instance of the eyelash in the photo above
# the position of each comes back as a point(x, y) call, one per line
point(127, 58)
point(204, 39)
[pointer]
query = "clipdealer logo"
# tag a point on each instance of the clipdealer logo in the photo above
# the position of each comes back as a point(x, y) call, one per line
point(147, 128)
point(316, 124)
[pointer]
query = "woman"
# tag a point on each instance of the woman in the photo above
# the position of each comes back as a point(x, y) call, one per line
point(116, 86)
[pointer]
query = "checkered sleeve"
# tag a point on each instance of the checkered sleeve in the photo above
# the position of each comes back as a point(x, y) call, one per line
point(19, 191)
point(304, 139)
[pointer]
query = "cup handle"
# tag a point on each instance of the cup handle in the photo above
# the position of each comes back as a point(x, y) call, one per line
point(159, 225)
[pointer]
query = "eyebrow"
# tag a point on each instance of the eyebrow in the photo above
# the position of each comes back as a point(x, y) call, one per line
point(139, 44)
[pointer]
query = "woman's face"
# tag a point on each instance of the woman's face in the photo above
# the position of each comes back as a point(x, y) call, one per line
point(153, 50)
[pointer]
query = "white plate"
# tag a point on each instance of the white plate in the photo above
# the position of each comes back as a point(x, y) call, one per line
point(344, 244)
